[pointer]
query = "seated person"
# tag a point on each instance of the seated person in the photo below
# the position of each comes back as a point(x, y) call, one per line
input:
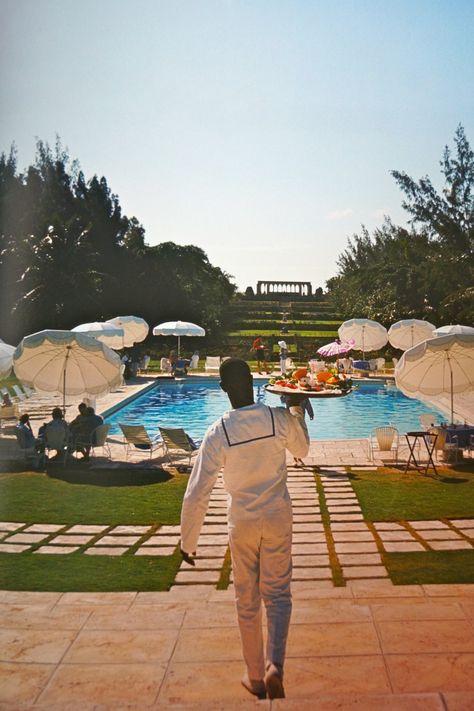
point(180, 366)
point(78, 422)
point(25, 435)
point(90, 423)
point(56, 425)
point(6, 400)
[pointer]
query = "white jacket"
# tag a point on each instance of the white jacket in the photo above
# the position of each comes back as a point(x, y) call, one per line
point(250, 443)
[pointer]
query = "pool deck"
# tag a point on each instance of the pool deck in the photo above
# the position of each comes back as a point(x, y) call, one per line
point(366, 646)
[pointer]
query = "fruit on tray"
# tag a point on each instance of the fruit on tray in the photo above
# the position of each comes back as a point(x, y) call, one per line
point(301, 379)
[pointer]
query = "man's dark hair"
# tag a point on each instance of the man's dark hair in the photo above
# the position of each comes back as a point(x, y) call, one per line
point(24, 418)
point(82, 407)
point(57, 413)
point(235, 369)
point(90, 411)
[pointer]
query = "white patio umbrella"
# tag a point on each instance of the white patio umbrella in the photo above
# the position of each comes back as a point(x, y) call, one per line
point(368, 335)
point(453, 328)
point(409, 332)
point(178, 328)
point(438, 366)
point(135, 328)
point(108, 333)
point(66, 363)
point(6, 359)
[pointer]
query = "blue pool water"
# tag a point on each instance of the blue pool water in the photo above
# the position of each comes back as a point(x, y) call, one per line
point(194, 405)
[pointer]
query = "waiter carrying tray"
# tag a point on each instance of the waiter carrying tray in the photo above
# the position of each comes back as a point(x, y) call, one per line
point(250, 443)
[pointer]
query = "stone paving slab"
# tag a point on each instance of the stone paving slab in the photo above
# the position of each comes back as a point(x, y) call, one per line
point(57, 550)
point(155, 550)
point(10, 526)
point(44, 528)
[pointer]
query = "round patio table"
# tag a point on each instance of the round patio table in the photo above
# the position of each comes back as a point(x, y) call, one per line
point(429, 440)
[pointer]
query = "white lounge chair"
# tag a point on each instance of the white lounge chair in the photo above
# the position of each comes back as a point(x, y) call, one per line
point(137, 440)
point(165, 365)
point(176, 441)
point(194, 362)
point(213, 363)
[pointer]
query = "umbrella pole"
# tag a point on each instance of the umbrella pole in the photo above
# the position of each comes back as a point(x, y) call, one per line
point(178, 344)
point(452, 395)
point(68, 350)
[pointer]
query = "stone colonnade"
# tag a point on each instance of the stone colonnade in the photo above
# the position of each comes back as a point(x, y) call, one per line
point(284, 288)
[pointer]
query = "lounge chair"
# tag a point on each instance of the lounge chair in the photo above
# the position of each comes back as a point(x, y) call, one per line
point(384, 440)
point(194, 362)
point(19, 393)
point(165, 365)
point(213, 363)
point(9, 412)
point(137, 440)
point(176, 441)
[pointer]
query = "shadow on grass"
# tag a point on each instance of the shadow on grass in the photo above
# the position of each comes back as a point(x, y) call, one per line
point(110, 477)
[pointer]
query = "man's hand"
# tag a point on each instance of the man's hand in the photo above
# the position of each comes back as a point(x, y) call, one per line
point(294, 400)
point(187, 557)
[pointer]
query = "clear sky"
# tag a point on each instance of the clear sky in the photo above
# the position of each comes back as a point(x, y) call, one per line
point(261, 130)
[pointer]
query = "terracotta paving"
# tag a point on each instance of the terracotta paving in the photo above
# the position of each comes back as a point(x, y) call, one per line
point(368, 646)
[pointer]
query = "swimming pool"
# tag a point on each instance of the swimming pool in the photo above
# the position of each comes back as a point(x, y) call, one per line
point(194, 405)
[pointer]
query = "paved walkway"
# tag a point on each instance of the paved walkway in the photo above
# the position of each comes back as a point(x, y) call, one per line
point(370, 646)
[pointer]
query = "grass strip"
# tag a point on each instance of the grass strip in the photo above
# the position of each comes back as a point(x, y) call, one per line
point(77, 572)
point(430, 567)
point(337, 575)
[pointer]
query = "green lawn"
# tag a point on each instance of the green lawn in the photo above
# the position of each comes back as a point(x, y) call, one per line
point(391, 495)
point(109, 496)
point(77, 494)
point(266, 333)
point(430, 567)
point(90, 496)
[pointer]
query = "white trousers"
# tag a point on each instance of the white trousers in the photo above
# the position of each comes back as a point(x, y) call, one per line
point(283, 365)
point(261, 564)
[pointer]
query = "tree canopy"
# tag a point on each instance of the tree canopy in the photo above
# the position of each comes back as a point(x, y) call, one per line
point(68, 256)
point(426, 271)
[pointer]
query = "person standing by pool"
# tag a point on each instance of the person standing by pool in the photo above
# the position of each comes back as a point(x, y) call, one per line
point(250, 442)
point(283, 356)
point(259, 349)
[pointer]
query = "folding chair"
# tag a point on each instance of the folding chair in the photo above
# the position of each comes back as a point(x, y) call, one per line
point(138, 440)
point(177, 441)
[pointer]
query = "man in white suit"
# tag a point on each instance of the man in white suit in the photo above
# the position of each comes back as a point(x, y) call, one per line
point(250, 443)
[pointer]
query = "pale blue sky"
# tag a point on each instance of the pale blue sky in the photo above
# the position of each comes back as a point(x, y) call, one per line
point(262, 131)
